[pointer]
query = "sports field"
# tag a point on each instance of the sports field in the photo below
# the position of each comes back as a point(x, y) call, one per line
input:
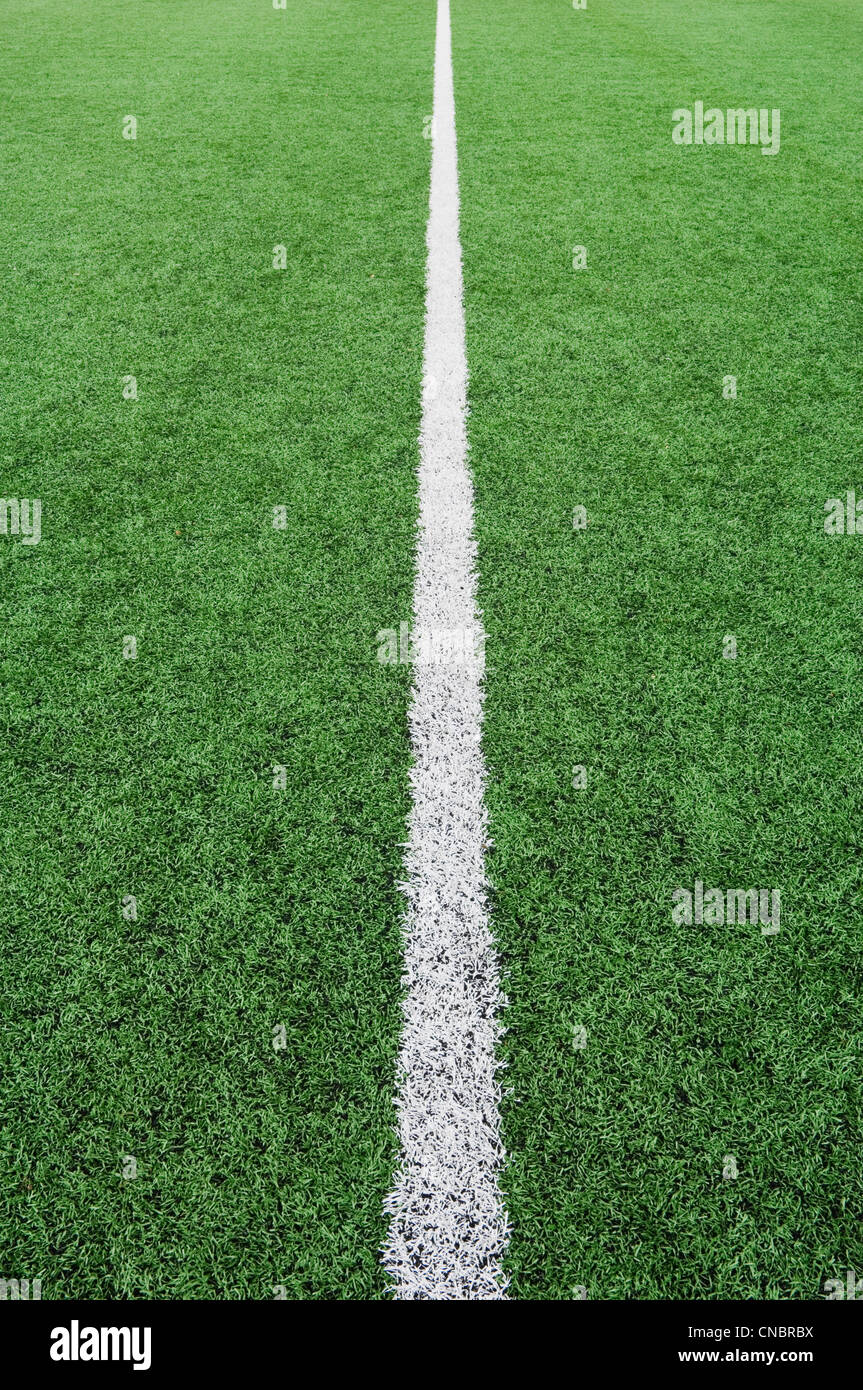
point(213, 257)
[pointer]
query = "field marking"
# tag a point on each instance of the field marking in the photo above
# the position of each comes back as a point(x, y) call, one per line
point(448, 1229)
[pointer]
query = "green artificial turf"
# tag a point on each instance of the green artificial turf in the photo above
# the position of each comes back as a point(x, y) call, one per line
point(603, 388)
point(152, 1038)
point(152, 777)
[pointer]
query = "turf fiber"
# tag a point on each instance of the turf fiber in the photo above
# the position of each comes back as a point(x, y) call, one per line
point(150, 1035)
point(257, 908)
point(603, 388)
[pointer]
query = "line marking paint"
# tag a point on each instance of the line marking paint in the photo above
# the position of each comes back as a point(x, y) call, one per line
point(448, 1229)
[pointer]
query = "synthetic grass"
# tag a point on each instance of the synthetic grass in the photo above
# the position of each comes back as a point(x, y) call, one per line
point(154, 1038)
point(603, 388)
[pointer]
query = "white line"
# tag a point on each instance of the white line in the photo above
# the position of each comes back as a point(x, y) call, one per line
point(448, 1230)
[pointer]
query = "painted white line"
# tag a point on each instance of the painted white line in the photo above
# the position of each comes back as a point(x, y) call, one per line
point(448, 1228)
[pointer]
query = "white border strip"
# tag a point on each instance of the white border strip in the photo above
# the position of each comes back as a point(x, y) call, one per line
point(448, 1230)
